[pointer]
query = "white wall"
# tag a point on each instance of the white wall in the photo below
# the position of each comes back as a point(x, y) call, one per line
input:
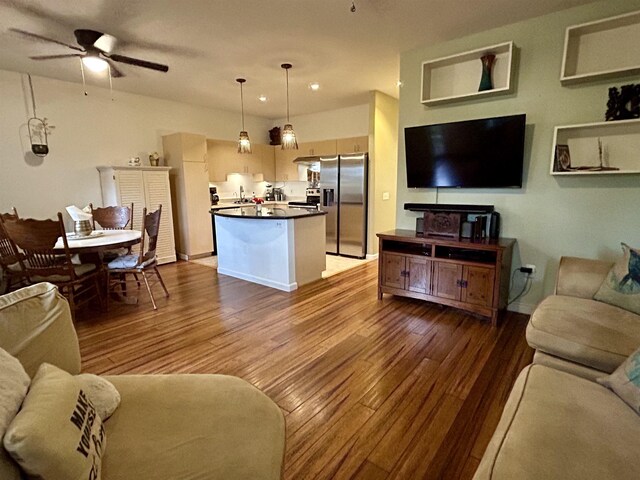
point(90, 131)
point(550, 216)
point(340, 123)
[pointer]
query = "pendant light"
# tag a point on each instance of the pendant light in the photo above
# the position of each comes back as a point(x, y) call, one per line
point(244, 144)
point(289, 141)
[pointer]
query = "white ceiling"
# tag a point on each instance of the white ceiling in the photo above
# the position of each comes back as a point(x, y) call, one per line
point(209, 43)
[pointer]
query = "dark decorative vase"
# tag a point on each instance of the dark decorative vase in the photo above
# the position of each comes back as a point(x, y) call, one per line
point(487, 65)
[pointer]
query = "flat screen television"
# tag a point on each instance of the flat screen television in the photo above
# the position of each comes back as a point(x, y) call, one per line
point(484, 153)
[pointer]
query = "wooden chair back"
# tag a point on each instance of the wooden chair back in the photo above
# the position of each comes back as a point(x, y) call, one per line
point(112, 218)
point(150, 229)
point(36, 239)
point(8, 253)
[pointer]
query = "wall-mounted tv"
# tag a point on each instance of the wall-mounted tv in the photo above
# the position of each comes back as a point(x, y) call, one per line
point(484, 153)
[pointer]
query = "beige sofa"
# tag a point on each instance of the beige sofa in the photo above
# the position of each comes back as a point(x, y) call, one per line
point(572, 332)
point(167, 426)
point(558, 424)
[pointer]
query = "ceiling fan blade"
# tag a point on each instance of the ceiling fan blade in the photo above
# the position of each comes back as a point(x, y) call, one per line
point(115, 72)
point(44, 39)
point(52, 57)
point(139, 63)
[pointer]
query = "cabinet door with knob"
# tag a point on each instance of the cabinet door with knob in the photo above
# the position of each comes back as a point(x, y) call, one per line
point(478, 285)
point(448, 278)
point(393, 270)
point(406, 272)
point(353, 145)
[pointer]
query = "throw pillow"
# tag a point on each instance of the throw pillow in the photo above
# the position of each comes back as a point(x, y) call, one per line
point(622, 285)
point(103, 395)
point(625, 381)
point(14, 383)
point(57, 435)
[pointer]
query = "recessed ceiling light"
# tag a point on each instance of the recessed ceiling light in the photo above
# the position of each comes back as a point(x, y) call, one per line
point(262, 98)
point(315, 86)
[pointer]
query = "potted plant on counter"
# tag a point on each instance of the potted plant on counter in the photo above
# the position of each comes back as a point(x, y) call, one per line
point(258, 202)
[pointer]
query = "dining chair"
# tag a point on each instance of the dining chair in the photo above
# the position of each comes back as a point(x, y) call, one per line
point(12, 271)
point(112, 218)
point(41, 262)
point(143, 263)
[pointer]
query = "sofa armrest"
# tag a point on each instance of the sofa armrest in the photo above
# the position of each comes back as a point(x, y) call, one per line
point(581, 277)
point(36, 327)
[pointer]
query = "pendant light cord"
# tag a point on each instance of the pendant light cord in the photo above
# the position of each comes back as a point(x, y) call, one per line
point(33, 97)
point(287, 72)
point(242, 105)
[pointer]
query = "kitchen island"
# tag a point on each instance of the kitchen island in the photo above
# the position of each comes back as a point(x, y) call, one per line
point(281, 248)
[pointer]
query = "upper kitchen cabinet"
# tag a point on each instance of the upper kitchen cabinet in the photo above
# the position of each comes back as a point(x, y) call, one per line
point(317, 149)
point(353, 145)
point(286, 170)
point(268, 160)
point(223, 159)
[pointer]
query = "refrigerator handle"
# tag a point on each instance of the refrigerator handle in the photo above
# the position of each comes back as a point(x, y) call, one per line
point(327, 197)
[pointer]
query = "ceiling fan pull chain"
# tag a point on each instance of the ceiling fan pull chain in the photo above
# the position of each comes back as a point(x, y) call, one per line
point(110, 83)
point(84, 85)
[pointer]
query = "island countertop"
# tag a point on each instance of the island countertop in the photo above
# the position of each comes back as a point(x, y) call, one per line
point(267, 213)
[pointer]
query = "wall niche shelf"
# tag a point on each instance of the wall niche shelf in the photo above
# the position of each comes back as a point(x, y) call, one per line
point(620, 142)
point(457, 77)
point(601, 49)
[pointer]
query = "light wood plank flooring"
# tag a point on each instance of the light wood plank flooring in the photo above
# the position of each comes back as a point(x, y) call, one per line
point(371, 389)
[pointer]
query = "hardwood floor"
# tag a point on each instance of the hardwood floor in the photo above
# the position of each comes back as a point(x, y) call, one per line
point(390, 389)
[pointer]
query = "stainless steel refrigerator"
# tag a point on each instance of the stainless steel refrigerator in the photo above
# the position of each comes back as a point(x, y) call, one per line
point(343, 195)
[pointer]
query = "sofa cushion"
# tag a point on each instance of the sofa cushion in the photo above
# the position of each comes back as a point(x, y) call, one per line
point(192, 427)
point(36, 327)
point(625, 381)
point(57, 434)
point(103, 395)
point(622, 285)
point(14, 383)
point(584, 331)
point(556, 426)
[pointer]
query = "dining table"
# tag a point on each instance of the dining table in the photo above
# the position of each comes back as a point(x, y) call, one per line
point(91, 249)
point(99, 241)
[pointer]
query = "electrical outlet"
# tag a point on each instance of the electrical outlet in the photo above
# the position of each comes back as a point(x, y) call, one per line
point(385, 196)
point(533, 269)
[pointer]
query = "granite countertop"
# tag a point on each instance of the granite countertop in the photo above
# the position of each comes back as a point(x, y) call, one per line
point(224, 204)
point(268, 213)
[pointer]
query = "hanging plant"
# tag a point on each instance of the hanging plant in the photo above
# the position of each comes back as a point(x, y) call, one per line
point(39, 129)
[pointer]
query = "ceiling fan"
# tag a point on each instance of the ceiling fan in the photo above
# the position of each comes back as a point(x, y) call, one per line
point(95, 51)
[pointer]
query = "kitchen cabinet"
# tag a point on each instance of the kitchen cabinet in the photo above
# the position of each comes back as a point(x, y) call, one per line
point(268, 162)
point(286, 170)
point(223, 159)
point(353, 145)
point(320, 148)
point(472, 276)
point(145, 187)
point(190, 191)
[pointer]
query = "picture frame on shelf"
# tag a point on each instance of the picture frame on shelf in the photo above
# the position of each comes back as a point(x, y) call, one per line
point(562, 158)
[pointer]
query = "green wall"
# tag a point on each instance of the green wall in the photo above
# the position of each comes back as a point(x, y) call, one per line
point(550, 216)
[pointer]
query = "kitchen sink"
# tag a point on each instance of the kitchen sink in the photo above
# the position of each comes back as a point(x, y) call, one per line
point(244, 200)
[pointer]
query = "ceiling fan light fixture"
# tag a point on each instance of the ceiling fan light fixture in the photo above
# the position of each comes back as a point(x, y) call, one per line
point(95, 63)
point(244, 144)
point(289, 140)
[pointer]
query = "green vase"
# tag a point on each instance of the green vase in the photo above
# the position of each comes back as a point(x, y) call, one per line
point(487, 65)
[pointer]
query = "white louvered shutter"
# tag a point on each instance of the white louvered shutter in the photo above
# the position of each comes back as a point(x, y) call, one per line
point(157, 192)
